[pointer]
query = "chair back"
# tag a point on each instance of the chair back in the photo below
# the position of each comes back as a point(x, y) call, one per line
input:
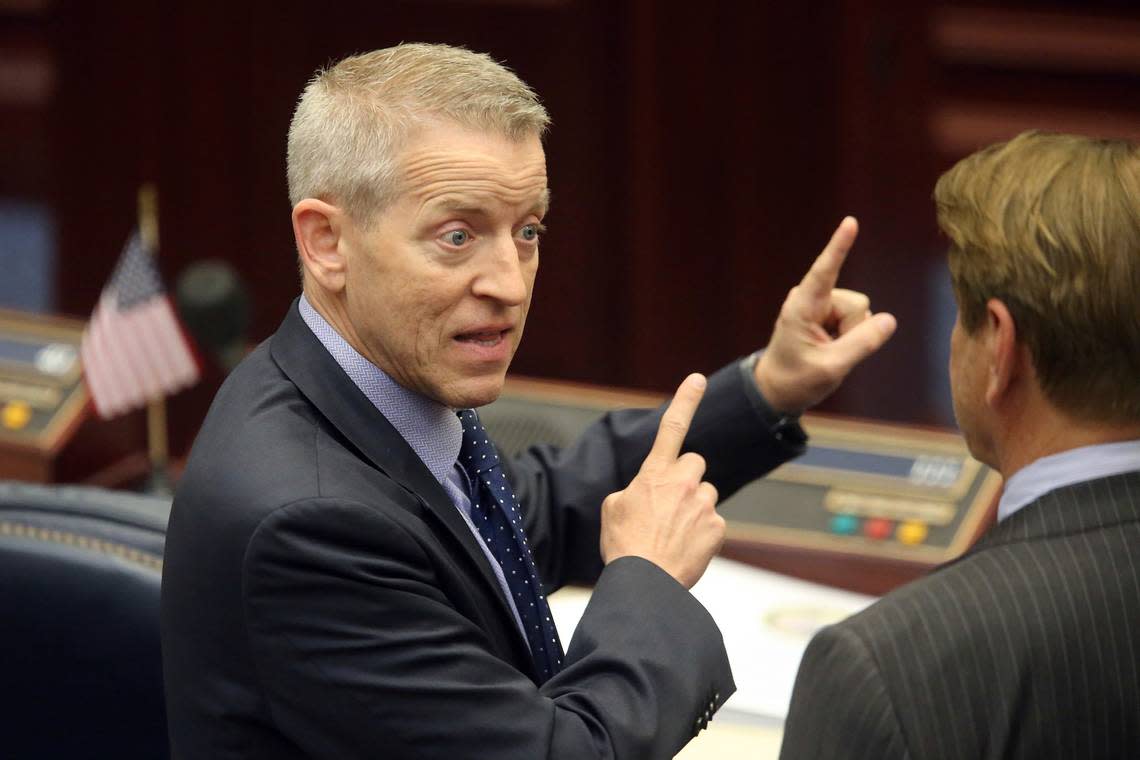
point(80, 572)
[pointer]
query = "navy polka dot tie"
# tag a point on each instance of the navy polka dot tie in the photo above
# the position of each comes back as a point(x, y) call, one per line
point(498, 519)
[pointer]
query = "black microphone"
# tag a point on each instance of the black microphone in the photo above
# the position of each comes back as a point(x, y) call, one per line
point(214, 306)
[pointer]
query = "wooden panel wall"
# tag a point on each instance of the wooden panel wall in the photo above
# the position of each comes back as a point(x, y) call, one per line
point(701, 154)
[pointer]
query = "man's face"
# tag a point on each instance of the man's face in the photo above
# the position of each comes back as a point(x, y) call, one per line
point(968, 372)
point(437, 291)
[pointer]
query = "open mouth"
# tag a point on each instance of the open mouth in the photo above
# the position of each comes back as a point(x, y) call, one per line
point(485, 338)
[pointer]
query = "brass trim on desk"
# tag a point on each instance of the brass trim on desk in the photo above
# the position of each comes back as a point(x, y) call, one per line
point(68, 411)
point(18, 327)
point(50, 438)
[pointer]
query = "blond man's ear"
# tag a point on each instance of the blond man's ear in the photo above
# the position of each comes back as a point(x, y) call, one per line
point(1006, 357)
point(318, 228)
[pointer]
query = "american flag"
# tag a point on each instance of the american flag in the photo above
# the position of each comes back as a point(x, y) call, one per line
point(134, 349)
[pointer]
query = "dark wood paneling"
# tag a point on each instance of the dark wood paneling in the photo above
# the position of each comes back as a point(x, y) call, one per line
point(885, 177)
point(700, 157)
point(732, 129)
point(202, 108)
point(107, 128)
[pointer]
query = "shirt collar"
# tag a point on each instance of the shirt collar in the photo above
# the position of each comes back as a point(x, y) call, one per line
point(1073, 466)
point(432, 429)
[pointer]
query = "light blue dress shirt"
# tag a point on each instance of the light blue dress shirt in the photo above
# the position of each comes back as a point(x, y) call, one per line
point(1073, 466)
point(432, 429)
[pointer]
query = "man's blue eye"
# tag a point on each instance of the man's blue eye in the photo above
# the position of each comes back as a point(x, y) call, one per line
point(529, 232)
point(457, 237)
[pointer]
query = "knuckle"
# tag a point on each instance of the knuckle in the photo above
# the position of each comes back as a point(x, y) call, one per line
point(673, 427)
point(648, 468)
point(693, 460)
point(682, 489)
point(720, 539)
point(720, 525)
point(706, 500)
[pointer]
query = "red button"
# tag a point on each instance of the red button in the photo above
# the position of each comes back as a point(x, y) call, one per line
point(877, 528)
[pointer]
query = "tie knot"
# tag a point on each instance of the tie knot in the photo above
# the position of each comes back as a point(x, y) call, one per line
point(477, 454)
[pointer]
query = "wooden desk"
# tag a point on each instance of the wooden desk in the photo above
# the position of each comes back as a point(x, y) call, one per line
point(868, 507)
point(48, 432)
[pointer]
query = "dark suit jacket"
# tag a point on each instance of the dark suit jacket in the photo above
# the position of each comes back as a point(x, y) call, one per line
point(1026, 647)
point(322, 596)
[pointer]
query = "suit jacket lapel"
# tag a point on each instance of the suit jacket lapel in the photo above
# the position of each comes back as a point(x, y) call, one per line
point(302, 357)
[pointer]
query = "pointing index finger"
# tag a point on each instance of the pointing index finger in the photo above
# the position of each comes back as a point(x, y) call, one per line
point(824, 272)
point(675, 422)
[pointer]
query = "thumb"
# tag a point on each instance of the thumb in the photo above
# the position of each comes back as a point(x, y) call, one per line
point(862, 340)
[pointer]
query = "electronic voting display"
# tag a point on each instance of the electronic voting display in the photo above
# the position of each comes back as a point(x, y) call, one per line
point(863, 493)
point(42, 395)
point(870, 489)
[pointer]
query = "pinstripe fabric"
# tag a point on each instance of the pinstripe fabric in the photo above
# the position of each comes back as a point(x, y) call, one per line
point(1028, 646)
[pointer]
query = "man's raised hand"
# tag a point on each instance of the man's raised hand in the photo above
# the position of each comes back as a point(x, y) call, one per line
point(822, 332)
point(667, 514)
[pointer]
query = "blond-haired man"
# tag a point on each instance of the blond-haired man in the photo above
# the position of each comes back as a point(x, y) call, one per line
point(1029, 645)
point(351, 570)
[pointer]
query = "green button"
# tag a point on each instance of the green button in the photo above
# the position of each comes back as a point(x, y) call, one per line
point(845, 525)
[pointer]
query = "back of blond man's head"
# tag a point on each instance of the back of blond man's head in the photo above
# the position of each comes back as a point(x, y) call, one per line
point(353, 118)
point(1050, 225)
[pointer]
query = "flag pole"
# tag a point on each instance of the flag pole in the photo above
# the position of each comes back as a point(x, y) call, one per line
point(157, 434)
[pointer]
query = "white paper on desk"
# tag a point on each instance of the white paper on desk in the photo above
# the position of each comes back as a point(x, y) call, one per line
point(766, 619)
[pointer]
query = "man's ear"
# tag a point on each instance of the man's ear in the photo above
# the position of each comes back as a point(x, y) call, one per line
point(1003, 352)
point(318, 228)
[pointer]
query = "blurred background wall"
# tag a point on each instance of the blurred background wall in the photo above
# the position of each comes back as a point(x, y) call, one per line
point(701, 155)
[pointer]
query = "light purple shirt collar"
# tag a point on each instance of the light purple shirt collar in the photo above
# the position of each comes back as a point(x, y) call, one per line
point(1073, 466)
point(432, 429)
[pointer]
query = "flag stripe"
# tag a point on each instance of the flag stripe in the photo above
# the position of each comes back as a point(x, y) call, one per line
point(158, 334)
point(103, 358)
point(141, 353)
point(92, 372)
point(116, 364)
point(180, 362)
point(136, 356)
point(134, 349)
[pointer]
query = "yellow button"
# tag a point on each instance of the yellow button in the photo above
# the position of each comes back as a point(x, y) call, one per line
point(912, 532)
point(16, 415)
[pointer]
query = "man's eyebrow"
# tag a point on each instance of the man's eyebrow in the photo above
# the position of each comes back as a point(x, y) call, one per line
point(457, 204)
point(543, 204)
point(462, 205)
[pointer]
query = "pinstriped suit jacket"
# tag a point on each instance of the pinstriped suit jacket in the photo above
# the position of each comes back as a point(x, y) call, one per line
point(1028, 646)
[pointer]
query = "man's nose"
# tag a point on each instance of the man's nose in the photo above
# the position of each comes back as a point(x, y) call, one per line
point(501, 274)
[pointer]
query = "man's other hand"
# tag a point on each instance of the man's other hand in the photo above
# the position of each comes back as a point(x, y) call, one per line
point(667, 514)
point(821, 334)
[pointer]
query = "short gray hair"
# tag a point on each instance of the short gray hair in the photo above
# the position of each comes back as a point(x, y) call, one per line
point(352, 118)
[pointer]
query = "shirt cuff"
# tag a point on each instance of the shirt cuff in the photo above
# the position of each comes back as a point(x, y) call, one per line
point(784, 427)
